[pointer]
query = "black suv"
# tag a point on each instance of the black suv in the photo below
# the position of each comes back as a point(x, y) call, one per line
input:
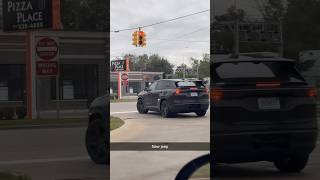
point(97, 135)
point(263, 110)
point(170, 96)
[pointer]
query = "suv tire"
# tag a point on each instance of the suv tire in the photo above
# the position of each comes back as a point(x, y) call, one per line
point(141, 108)
point(96, 141)
point(201, 113)
point(164, 109)
point(292, 164)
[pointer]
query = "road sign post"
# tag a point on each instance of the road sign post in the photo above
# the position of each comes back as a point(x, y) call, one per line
point(47, 63)
point(120, 66)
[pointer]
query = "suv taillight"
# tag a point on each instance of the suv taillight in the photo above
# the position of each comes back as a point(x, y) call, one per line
point(312, 92)
point(178, 91)
point(216, 95)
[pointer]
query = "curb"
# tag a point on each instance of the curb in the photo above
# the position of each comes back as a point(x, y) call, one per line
point(124, 124)
point(44, 126)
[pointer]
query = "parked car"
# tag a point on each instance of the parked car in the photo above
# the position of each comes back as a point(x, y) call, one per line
point(97, 135)
point(262, 110)
point(170, 96)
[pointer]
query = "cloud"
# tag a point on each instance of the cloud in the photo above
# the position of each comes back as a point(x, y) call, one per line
point(134, 13)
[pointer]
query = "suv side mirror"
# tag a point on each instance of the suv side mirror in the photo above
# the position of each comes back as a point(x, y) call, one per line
point(147, 89)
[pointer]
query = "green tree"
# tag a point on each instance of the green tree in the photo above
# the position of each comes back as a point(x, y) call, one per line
point(271, 10)
point(153, 63)
point(301, 25)
point(202, 66)
point(224, 37)
point(233, 13)
point(159, 64)
point(85, 15)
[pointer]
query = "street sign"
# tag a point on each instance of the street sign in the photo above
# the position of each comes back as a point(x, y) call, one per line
point(124, 77)
point(26, 14)
point(47, 49)
point(44, 68)
point(118, 65)
point(47, 56)
point(125, 83)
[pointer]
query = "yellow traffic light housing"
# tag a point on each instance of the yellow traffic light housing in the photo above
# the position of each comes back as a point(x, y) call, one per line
point(139, 38)
point(142, 39)
point(135, 37)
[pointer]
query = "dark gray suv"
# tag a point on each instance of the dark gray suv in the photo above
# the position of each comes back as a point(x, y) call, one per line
point(262, 110)
point(170, 96)
point(97, 135)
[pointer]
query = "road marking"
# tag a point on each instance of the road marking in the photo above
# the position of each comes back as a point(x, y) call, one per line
point(32, 161)
point(124, 112)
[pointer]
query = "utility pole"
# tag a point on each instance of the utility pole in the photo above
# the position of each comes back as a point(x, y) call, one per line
point(184, 71)
point(281, 37)
point(236, 39)
point(236, 33)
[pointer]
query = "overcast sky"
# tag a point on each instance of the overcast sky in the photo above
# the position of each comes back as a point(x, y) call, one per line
point(134, 13)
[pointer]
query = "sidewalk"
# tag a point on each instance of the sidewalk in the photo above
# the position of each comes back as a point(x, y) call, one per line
point(48, 119)
point(79, 113)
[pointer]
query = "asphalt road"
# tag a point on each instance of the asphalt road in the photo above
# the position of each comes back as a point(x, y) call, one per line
point(266, 170)
point(154, 165)
point(152, 127)
point(48, 154)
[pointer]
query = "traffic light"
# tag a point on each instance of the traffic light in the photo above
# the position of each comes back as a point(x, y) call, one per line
point(135, 37)
point(142, 39)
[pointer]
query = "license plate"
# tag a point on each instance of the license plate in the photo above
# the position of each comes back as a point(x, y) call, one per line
point(269, 103)
point(193, 94)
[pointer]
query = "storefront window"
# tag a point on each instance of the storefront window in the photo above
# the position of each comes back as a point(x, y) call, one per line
point(12, 82)
point(77, 82)
point(134, 87)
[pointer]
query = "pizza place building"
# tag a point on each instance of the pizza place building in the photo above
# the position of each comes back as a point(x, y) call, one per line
point(81, 65)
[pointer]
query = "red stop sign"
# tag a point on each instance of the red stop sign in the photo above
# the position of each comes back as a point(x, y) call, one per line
point(47, 49)
point(124, 77)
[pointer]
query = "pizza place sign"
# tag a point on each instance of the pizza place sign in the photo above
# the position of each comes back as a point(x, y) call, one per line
point(26, 14)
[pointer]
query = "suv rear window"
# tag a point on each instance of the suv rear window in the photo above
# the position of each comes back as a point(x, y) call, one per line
point(252, 72)
point(198, 84)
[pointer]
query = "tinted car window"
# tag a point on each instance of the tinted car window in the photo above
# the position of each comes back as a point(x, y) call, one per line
point(153, 86)
point(169, 85)
point(186, 84)
point(160, 85)
point(198, 84)
point(251, 71)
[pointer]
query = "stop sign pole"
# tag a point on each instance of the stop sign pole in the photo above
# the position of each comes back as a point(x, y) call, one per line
point(120, 78)
point(28, 91)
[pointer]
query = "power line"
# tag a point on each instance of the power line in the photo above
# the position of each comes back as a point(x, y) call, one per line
point(187, 34)
point(180, 40)
point(161, 22)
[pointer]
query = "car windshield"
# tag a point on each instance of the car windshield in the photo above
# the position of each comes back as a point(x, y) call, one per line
point(253, 72)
